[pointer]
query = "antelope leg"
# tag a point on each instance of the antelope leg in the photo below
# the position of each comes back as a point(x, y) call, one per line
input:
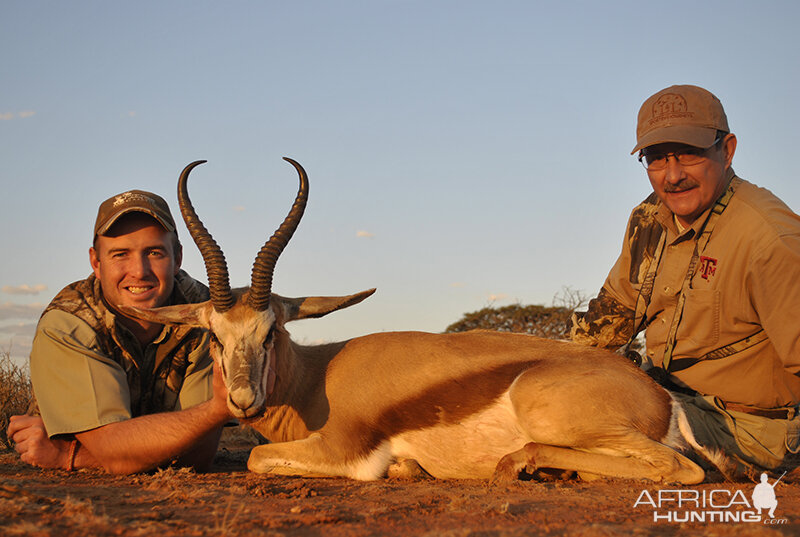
point(312, 457)
point(657, 463)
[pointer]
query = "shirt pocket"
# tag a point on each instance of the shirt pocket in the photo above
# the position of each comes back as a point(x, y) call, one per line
point(700, 321)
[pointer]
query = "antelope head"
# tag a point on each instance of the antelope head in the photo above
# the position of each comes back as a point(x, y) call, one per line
point(245, 324)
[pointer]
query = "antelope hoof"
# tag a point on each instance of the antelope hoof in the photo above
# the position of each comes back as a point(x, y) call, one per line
point(407, 469)
point(507, 470)
point(510, 466)
point(262, 463)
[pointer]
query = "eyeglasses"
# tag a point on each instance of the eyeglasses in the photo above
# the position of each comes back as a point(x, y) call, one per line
point(690, 156)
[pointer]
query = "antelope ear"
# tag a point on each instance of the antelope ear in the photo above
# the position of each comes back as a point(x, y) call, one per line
point(179, 315)
point(311, 307)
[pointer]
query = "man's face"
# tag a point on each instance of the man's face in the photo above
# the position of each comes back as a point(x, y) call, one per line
point(136, 262)
point(689, 190)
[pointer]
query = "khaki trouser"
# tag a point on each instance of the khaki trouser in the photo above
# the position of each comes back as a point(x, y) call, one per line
point(756, 442)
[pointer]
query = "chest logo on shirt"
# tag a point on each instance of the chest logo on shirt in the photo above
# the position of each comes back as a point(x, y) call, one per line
point(708, 266)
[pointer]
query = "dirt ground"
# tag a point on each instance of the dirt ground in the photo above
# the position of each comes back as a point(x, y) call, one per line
point(232, 501)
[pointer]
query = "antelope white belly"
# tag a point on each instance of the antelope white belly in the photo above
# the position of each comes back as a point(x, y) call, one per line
point(469, 449)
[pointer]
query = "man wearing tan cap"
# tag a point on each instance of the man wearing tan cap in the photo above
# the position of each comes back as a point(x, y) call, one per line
point(118, 393)
point(710, 270)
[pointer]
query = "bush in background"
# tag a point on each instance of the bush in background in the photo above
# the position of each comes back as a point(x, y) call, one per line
point(552, 322)
point(15, 393)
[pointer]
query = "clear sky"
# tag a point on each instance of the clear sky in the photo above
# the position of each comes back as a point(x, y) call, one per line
point(461, 154)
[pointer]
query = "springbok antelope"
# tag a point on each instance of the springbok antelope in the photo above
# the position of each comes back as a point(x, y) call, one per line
point(478, 404)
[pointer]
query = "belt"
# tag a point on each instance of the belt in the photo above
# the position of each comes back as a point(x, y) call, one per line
point(772, 413)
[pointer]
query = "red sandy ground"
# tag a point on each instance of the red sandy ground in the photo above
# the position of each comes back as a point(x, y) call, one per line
point(231, 501)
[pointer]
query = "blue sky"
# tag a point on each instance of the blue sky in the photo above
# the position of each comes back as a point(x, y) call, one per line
point(460, 153)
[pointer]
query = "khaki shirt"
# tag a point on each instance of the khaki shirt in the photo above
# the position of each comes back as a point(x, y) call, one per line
point(78, 387)
point(747, 278)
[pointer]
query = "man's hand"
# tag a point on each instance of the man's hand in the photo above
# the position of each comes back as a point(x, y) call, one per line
point(219, 394)
point(34, 446)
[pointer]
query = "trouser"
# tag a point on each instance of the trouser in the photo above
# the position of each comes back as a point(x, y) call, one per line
point(757, 443)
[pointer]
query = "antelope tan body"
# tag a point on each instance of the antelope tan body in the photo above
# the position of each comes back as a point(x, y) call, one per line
point(459, 403)
point(471, 405)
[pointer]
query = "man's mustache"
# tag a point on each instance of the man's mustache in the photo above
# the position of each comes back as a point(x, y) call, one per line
point(686, 184)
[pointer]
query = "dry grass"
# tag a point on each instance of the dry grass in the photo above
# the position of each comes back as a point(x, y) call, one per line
point(225, 520)
point(27, 528)
point(166, 479)
point(16, 394)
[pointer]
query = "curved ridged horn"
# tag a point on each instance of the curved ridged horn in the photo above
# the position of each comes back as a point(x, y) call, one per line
point(216, 268)
point(264, 266)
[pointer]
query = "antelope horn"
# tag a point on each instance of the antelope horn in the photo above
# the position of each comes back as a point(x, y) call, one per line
point(216, 268)
point(264, 266)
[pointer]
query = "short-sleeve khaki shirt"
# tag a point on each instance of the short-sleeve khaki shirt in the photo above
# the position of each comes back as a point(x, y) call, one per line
point(78, 388)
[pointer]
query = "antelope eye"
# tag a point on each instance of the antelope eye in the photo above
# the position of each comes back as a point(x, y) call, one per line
point(270, 335)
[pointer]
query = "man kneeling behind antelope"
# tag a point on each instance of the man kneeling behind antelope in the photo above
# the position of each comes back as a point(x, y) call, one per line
point(471, 405)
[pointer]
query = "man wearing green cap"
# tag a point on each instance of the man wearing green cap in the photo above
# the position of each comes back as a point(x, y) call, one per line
point(114, 392)
point(709, 270)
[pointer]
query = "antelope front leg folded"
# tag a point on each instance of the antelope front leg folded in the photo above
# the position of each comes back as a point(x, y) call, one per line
point(312, 457)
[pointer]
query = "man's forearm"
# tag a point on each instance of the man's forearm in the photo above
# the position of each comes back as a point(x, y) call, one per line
point(607, 323)
point(146, 442)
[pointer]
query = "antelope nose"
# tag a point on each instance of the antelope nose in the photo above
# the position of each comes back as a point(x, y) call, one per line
point(242, 396)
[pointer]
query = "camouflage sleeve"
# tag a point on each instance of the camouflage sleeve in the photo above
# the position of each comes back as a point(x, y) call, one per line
point(606, 324)
point(609, 322)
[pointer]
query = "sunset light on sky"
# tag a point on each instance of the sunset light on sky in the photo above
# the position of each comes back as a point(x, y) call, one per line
point(460, 153)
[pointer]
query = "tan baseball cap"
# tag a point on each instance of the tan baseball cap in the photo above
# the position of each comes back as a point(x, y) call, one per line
point(684, 114)
point(129, 202)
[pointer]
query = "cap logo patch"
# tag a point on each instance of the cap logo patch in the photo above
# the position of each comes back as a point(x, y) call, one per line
point(669, 106)
point(131, 197)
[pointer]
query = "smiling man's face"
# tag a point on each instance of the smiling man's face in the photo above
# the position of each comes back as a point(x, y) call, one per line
point(136, 262)
point(688, 191)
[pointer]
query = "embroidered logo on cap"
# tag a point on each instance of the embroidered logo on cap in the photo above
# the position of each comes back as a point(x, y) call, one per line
point(131, 197)
point(669, 106)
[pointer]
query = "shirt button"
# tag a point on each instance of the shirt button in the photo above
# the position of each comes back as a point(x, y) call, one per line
point(667, 289)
